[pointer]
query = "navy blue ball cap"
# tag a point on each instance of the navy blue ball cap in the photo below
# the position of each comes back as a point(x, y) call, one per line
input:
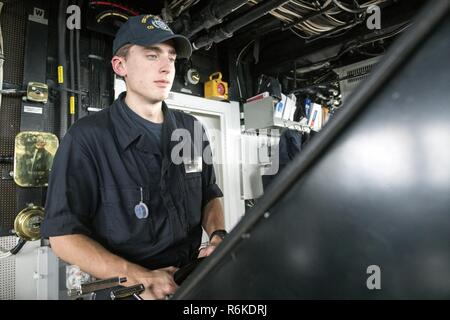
point(145, 30)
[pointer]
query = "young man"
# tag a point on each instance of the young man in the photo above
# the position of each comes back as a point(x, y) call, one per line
point(117, 204)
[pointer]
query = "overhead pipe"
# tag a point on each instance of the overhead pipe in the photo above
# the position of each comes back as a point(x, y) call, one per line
point(222, 33)
point(256, 32)
point(207, 18)
point(72, 77)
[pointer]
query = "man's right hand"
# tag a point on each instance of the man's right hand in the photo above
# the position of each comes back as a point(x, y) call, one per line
point(158, 283)
point(94, 259)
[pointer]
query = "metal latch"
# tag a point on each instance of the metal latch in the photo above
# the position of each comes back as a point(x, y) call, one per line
point(37, 92)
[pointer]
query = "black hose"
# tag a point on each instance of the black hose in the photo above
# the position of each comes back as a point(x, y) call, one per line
point(219, 34)
point(62, 63)
point(207, 18)
point(18, 246)
point(254, 14)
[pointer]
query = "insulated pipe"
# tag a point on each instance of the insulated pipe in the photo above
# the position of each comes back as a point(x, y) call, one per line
point(219, 34)
point(62, 65)
point(207, 18)
point(72, 77)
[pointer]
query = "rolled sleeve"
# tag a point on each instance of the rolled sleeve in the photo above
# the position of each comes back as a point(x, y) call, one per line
point(210, 189)
point(72, 192)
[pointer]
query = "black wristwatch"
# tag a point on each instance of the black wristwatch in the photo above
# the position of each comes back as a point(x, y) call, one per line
point(220, 233)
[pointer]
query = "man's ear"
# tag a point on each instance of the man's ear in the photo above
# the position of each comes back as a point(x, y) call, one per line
point(118, 66)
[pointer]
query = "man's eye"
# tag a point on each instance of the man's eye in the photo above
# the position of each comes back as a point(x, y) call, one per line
point(172, 59)
point(152, 56)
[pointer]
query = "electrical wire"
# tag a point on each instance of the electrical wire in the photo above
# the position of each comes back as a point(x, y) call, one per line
point(237, 66)
point(324, 16)
point(115, 5)
point(179, 6)
point(334, 33)
point(298, 35)
point(109, 13)
point(351, 45)
point(8, 253)
point(4, 255)
point(341, 6)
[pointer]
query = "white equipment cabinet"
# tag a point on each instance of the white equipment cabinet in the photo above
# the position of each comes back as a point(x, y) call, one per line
point(31, 274)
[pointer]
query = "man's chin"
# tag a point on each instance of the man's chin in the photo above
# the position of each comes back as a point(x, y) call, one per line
point(161, 95)
point(165, 95)
point(158, 99)
point(155, 97)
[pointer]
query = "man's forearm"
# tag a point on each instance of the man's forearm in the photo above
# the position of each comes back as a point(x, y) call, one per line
point(93, 258)
point(213, 216)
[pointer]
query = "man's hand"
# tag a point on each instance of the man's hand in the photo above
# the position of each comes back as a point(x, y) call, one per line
point(206, 251)
point(158, 283)
point(94, 259)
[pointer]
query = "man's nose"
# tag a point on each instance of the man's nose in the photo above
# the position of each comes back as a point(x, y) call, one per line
point(166, 65)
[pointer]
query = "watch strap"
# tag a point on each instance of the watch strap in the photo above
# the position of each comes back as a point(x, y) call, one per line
point(220, 233)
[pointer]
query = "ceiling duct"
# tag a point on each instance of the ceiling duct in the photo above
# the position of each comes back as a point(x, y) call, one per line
point(208, 17)
point(219, 34)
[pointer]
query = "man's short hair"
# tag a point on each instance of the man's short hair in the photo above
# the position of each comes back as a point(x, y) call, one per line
point(123, 51)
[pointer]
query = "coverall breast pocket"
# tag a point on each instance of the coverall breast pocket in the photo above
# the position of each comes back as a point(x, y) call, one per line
point(124, 226)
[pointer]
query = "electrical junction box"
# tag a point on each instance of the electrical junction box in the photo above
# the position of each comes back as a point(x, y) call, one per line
point(263, 114)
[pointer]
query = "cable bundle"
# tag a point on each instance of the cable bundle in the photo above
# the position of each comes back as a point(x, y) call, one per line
point(311, 19)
